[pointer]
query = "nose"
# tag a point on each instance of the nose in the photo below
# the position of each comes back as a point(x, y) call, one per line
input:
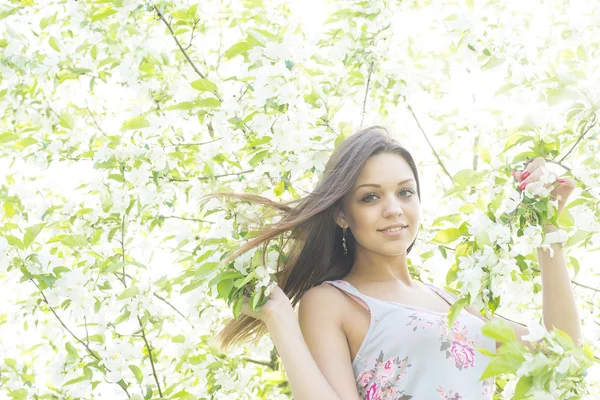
point(393, 208)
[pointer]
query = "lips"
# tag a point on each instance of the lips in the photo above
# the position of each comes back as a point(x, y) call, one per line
point(393, 226)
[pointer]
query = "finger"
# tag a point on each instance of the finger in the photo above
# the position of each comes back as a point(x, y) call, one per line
point(566, 183)
point(530, 167)
point(518, 175)
point(533, 176)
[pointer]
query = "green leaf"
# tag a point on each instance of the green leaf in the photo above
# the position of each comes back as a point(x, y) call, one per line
point(581, 53)
point(14, 241)
point(9, 209)
point(279, 189)
point(523, 385)
point(559, 95)
point(209, 102)
point(224, 288)
point(204, 85)
point(190, 287)
point(237, 307)
point(456, 309)
point(139, 122)
point(139, 376)
point(71, 350)
point(31, 233)
point(513, 141)
point(67, 121)
point(447, 236)
point(103, 13)
point(256, 298)
point(501, 365)
point(236, 49)
point(19, 394)
point(575, 264)
point(566, 219)
point(24, 143)
point(484, 154)
point(499, 330)
point(54, 43)
point(206, 269)
point(467, 177)
point(129, 292)
point(74, 241)
point(178, 339)
point(7, 137)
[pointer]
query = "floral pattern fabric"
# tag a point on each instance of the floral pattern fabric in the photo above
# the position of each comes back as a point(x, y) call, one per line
point(457, 344)
point(409, 353)
point(380, 382)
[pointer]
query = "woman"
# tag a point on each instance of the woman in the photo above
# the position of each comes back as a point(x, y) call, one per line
point(365, 328)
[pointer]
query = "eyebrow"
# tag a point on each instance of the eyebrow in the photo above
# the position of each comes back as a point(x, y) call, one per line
point(378, 186)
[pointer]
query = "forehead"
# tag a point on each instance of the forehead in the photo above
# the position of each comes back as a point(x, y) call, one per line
point(384, 168)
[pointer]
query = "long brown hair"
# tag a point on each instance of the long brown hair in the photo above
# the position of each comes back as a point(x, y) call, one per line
point(314, 252)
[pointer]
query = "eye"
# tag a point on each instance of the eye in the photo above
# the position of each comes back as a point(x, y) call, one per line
point(364, 199)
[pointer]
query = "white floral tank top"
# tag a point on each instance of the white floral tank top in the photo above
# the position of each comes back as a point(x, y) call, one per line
point(409, 353)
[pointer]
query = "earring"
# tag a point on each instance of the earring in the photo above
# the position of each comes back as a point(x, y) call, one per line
point(344, 242)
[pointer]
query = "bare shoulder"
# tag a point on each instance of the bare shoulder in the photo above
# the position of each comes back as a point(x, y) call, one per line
point(320, 316)
point(321, 292)
point(324, 300)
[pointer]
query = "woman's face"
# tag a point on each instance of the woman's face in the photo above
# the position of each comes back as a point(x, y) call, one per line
point(384, 194)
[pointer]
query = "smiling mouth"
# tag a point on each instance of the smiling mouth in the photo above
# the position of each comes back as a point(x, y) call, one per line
point(394, 229)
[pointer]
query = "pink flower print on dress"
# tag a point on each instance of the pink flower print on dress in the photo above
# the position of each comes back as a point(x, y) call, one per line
point(448, 395)
point(458, 346)
point(380, 381)
point(423, 320)
point(373, 393)
point(385, 371)
point(489, 385)
point(464, 356)
point(365, 378)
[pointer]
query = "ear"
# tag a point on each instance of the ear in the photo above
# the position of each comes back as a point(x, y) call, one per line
point(340, 219)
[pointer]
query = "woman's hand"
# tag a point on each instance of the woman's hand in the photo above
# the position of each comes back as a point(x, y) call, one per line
point(536, 173)
point(277, 308)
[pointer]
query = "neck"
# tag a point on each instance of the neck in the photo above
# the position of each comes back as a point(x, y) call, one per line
point(378, 268)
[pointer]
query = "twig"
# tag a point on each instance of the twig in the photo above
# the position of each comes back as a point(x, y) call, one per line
point(193, 30)
point(560, 164)
point(87, 347)
point(592, 123)
point(371, 67)
point(426, 138)
point(95, 122)
point(586, 286)
point(123, 244)
point(475, 158)
point(259, 362)
point(184, 218)
point(87, 335)
point(142, 331)
point(90, 351)
point(212, 177)
point(173, 307)
point(151, 358)
point(162, 17)
point(190, 144)
point(575, 283)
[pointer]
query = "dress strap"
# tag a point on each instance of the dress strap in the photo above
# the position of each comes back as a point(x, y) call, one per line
point(352, 292)
point(442, 293)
